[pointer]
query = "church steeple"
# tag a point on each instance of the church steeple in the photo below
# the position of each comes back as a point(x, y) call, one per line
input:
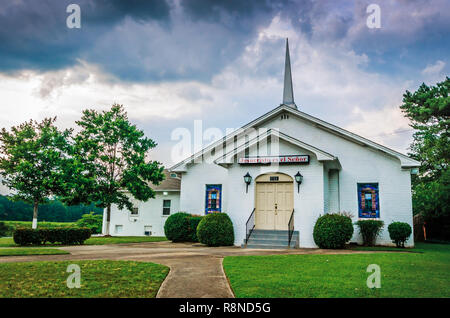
point(288, 92)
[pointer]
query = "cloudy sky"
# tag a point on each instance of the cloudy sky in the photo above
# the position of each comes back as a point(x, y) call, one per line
point(171, 62)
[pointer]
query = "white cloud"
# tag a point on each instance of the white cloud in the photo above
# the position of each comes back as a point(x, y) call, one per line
point(434, 69)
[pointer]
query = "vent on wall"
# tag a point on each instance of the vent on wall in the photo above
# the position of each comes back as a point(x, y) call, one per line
point(147, 230)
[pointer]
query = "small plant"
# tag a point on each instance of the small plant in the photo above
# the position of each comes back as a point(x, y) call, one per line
point(333, 230)
point(399, 233)
point(91, 221)
point(369, 230)
point(216, 229)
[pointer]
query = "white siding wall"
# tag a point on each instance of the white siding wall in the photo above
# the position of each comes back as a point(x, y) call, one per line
point(150, 214)
point(193, 185)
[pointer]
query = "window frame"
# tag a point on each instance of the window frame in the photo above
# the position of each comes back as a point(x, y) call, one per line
point(165, 207)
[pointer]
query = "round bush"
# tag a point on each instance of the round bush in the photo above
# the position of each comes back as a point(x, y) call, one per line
point(369, 230)
point(333, 231)
point(176, 227)
point(216, 229)
point(399, 233)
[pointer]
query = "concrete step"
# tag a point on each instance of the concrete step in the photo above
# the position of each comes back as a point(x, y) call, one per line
point(283, 241)
point(272, 236)
point(271, 231)
point(275, 239)
point(269, 246)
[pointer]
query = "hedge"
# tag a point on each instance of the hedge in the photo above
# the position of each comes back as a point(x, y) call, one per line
point(333, 230)
point(399, 233)
point(65, 236)
point(216, 229)
point(13, 225)
point(369, 230)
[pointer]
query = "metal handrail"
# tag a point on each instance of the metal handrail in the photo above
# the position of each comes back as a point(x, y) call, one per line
point(290, 228)
point(249, 229)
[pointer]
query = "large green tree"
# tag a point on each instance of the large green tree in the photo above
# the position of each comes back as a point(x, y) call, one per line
point(428, 109)
point(111, 161)
point(33, 161)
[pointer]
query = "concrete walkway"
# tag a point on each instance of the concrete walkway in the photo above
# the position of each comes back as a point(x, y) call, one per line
point(195, 270)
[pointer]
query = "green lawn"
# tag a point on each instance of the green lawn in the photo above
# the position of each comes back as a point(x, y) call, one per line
point(9, 242)
point(30, 251)
point(98, 279)
point(422, 274)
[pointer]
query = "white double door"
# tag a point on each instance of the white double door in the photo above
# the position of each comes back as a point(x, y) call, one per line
point(274, 204)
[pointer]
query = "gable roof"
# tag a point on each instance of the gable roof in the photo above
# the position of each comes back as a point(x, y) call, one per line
point(168, 184)
point(321, 155)
point(405, 161)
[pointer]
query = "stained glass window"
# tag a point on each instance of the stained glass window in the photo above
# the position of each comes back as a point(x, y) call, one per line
point(213, 202)
point(368, 201)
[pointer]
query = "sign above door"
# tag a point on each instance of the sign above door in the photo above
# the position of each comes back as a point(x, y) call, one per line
point(275, 159)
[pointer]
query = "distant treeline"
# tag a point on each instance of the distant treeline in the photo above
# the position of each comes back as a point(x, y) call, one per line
point(54, 211)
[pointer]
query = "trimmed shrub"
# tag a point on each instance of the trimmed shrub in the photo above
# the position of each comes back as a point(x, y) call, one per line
point(4, 229)
point(333, 231)
point(91, 221)
point(181, 227)
point(27, 237)
point(216, 229)
point(399, 233)
point(65, 236)
point(194, 220)
point(369, 230)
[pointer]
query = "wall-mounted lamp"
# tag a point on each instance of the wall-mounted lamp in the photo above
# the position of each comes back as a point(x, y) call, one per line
point(247, 180)
point(298, 179)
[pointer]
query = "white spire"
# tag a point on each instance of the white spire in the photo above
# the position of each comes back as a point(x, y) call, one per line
point(288, 93)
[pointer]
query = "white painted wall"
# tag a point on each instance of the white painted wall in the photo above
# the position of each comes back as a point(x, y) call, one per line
point(193, 186)
point(150, 214)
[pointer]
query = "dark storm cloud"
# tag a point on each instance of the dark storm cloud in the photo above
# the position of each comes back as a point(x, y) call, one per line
point(33, 34)
point(134, 40)
point(195, 39)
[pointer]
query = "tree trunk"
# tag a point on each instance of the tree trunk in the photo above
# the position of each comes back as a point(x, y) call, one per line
point(35, 215)
point(108, 219)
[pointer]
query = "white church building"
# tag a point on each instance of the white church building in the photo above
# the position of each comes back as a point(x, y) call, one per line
point(276, 175)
